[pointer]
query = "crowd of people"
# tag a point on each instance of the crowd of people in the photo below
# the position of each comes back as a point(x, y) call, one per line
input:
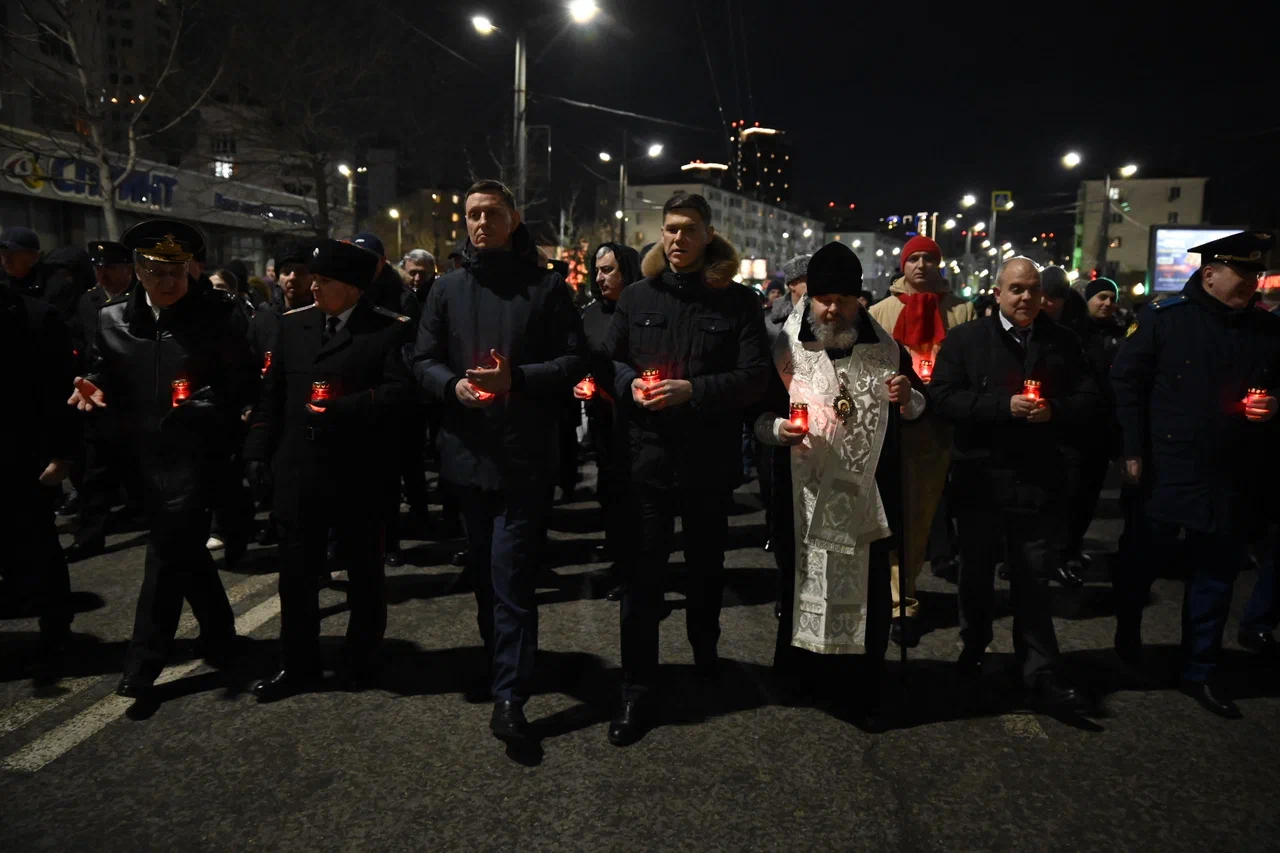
point(919, 429)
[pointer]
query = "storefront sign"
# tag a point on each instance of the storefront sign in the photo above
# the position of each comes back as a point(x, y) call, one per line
point(70, 176)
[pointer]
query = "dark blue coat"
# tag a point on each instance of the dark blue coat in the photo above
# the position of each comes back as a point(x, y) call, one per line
point(1179, 381)
point(509, 302)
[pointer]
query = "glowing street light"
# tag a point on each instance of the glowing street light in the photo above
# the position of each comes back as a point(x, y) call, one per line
point(879, 253)
point(1009, 205)
point(897, 251)
point(978, 226)
point(655, 150)
point(1007, 246)
point(394, 213)
point(808, 232)
point(986, 244)
point(992, 251)
point(1071, 159)
point(786, 236)
point(949, 224)
point(617, 214)
point(857, 243)
point(1128, 171)
point(344, 170)
point(582, 11)
point(605, 157)
point(483, 25)
point(968, 201)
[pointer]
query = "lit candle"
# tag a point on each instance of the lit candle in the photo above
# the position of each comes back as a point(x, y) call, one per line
point(181, 391)
point(1031, 388)
point(926, 371)
point(800, 415)
point(319, 391)
point(587, 386)
point(650, 378)
point(1255, 396)
point(266, 362)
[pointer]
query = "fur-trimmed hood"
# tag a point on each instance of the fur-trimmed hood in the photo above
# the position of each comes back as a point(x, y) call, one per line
point(721, 263)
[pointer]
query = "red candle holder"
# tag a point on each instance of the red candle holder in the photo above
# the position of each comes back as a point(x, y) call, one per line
point(800, 415)
point(926, 371)
point(320, 391)
point(1031, 388)
point(650, 378)
point(587, 386)
point(181, 391)
point(266, 362)
point(1255, 395)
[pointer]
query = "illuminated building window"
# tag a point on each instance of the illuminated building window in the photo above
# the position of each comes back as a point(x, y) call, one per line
point(455, 199)
point(223, 168)
point(454, 218)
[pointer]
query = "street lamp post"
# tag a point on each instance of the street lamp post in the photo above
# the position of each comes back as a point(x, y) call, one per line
point(394, 213)
point(582, 12)
point(654, 151)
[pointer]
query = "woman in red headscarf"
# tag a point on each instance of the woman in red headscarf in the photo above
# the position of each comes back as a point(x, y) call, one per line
point(919, 311)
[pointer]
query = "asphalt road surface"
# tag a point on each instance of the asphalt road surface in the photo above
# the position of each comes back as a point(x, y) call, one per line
point(412, 766)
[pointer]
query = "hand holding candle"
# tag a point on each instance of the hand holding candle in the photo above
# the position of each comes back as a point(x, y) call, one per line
point(586, 389)
point(926, 371)
point(800, 416)
point(493, 378)
point(1259, 406)
point(320, 396)
point(266, 362)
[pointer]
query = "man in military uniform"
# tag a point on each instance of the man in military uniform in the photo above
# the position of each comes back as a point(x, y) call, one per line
point(326, 419)
point(30, 275)
point(106, 466)
point(39, 437)
point(1194, 387)
point(172, 363)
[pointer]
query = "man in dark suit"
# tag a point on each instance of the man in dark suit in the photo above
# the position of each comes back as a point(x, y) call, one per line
point(106, 465)
point(172, 363)
point(1195, 388)
point(335, 386)
point(1009, 472)
point(39, 440)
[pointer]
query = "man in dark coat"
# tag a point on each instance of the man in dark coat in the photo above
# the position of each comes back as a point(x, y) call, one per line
point(1100, 337)
point(32, 276)
point(1008, 468)
point(500, 345)
point(172, 362)
point(107, 464)
point(40, 437)
point(1194, 434)
point(613, 267)
point(704, 335)
point(329, 448)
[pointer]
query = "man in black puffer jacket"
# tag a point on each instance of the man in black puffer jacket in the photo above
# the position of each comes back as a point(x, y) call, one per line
point(500, 344)
point(704, 335)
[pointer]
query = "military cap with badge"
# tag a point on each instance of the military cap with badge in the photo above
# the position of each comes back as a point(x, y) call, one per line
point(164, 241)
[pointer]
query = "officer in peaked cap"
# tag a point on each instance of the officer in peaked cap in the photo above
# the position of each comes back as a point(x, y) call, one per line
point(172, 363)
point(106, 464)
point(325, 423)
point(1195, 387)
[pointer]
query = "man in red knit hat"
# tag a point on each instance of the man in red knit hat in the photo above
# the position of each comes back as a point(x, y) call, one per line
point(919, 312)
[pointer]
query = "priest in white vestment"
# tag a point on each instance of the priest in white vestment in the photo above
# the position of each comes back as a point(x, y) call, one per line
point(843, 383)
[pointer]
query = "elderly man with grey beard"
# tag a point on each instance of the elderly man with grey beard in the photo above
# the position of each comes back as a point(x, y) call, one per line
point(1015, 385)
point(841, 387)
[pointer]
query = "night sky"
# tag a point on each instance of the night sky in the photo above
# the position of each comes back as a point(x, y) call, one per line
point(908, 111)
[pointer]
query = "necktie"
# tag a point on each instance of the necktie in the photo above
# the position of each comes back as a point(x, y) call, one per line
point(1023, 335)
point(330, 329)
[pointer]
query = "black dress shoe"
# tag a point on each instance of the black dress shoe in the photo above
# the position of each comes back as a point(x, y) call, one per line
point(134, 687)
point(945, 569)
point(286, 683)
point(393, 559)
point(269, 535)
point(1055, 696)
point(1213, 702)
point(630, 725)
point(83, 549)
point(1262, 642)
point(777, 610)
point(616, 592)
point(459, 558)
point(70, 506)
point(970, 663)
point(508, 722)
point(1067, 576)
point(905, 632)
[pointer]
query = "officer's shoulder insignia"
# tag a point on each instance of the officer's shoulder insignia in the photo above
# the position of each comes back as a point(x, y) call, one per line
point(1133, 327)
point(385, 313)
point(303, 308)
point(1169, 302)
